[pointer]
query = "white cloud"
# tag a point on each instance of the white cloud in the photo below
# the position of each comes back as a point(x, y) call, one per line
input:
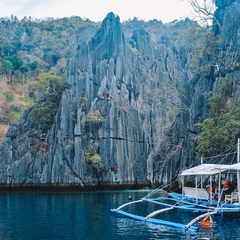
point(96, 10)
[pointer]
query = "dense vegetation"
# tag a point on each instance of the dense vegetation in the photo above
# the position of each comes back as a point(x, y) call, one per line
point(50, 87)
point(33, 58)
point(222, 128)
point(29, 47)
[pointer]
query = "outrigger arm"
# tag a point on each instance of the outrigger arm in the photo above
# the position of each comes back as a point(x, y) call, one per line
point(199, 217)
point(157, 212)
point(115, 210)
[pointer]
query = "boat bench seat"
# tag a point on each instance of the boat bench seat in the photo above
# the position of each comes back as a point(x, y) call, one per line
point(198, 193)
point(233, 197)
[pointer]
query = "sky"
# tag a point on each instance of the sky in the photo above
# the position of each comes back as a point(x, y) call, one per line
point(96, 10)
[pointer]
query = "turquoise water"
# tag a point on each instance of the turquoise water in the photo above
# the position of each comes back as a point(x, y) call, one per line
point(78, 215)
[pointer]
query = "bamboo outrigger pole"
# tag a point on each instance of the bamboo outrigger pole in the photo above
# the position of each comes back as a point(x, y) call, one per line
point(238, 171)
point(199, 217)
point(157, 212)
point(115, 210)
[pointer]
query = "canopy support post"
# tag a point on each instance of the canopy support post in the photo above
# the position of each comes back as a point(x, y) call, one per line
point(183, 188)
point(196, 183)
point(238, 172)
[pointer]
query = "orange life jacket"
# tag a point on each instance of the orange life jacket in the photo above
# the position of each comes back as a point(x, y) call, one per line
point(206, 223)
point(226, 184)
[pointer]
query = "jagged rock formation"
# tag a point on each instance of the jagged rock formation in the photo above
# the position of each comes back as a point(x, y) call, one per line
point(128, 115)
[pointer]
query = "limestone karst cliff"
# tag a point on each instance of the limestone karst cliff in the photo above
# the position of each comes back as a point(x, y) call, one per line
point(128, 114)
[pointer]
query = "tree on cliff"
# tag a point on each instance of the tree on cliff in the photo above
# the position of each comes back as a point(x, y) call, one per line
point(48, 89)
point(204, 11)
point(221, 129)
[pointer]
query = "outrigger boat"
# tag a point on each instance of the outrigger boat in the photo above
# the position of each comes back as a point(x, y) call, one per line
point(195, 199)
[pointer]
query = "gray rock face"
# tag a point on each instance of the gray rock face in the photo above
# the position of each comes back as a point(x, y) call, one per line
point(128, 115)
point(223, 3)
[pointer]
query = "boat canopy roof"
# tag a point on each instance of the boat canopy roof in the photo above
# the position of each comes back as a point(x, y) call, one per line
point(235, 166)
point(209, 169)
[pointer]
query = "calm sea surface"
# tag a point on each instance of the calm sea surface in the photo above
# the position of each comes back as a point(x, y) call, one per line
point(87, 216)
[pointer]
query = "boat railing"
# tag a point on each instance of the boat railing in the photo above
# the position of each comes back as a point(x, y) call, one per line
point(198, 193)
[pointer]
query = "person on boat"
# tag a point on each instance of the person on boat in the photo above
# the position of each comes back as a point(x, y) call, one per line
point(207, 221)
point(225, 187)
point(211, 191)
point(231, 188)
point(225, 184)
